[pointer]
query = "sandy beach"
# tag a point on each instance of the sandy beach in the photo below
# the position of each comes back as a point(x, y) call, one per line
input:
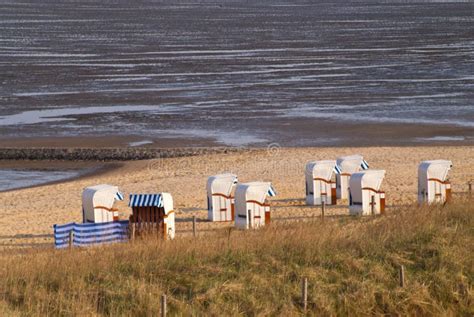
point(29, 214)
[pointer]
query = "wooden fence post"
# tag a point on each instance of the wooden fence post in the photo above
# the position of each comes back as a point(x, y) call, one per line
point(163, 305)
point(323, 207)
point(304, 293)
point(402, 276)
point(250, 219)
point(71, 239)
point(194, 226)
point(133, 232)
point(372, 204)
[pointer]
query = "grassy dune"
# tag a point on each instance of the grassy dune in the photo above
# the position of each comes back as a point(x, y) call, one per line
point(351, 265)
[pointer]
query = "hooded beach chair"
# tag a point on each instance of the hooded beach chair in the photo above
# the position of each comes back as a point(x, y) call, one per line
point(153, 213)
point(251, 207)
point(433, 184)
point(320, 186)
point(366, 198)
point(98, 202)
point(347, 166)
point(220, 202)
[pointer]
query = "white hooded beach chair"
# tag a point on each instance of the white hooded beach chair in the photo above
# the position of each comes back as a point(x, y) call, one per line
point(98, 202)
point(251, 207)
point(320, 186)
point(347, 166)
point(366, 198)
point(220, 202)
point(433, 184)
point(153, 213)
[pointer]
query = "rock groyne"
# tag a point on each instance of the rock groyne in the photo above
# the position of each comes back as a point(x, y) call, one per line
point(107, 154)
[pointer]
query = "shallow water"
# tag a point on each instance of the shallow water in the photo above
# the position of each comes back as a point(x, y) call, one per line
point(237, 72)
point(12, 178)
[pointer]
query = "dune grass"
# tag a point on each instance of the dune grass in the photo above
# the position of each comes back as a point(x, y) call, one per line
point(351, 265)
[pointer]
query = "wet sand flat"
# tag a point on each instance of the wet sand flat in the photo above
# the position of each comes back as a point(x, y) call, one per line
point(239, 73)
point(27, 215)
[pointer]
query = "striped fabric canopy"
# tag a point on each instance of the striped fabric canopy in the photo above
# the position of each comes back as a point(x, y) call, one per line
point(146, 200)
point(337, 169)
point(271, 192)
point(118, 196)
point(364, 165)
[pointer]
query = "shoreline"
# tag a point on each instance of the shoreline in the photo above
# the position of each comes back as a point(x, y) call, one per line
point(305, 132)
point(98, 153)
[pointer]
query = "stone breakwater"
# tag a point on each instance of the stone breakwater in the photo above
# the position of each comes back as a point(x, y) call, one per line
point(107, 154)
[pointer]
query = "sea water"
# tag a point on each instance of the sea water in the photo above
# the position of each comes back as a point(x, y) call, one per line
point(14, 178)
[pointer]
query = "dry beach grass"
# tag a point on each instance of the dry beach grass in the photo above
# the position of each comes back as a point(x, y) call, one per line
point(351, 264)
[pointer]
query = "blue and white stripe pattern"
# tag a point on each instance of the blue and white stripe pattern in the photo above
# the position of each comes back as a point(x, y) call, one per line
point(271, 192)
point(118, 196)
point(337, 169)
point(86, 234)
point(146, 200)
point(364, 165)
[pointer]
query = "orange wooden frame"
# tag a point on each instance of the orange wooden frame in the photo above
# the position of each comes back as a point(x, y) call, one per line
point(438, 180)
point(258, 203)
point(373, 190)
point(323, 180)
point(222, 195)
point(108, 209)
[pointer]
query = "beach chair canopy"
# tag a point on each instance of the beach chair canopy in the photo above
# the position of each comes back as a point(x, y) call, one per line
point(352, 163)
point(100, 196)
point(160, 200)
point(146, 200)
point(221, 184)
point(321, 169)
point(254, 191)
point(370, 179)
point(437, 169)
